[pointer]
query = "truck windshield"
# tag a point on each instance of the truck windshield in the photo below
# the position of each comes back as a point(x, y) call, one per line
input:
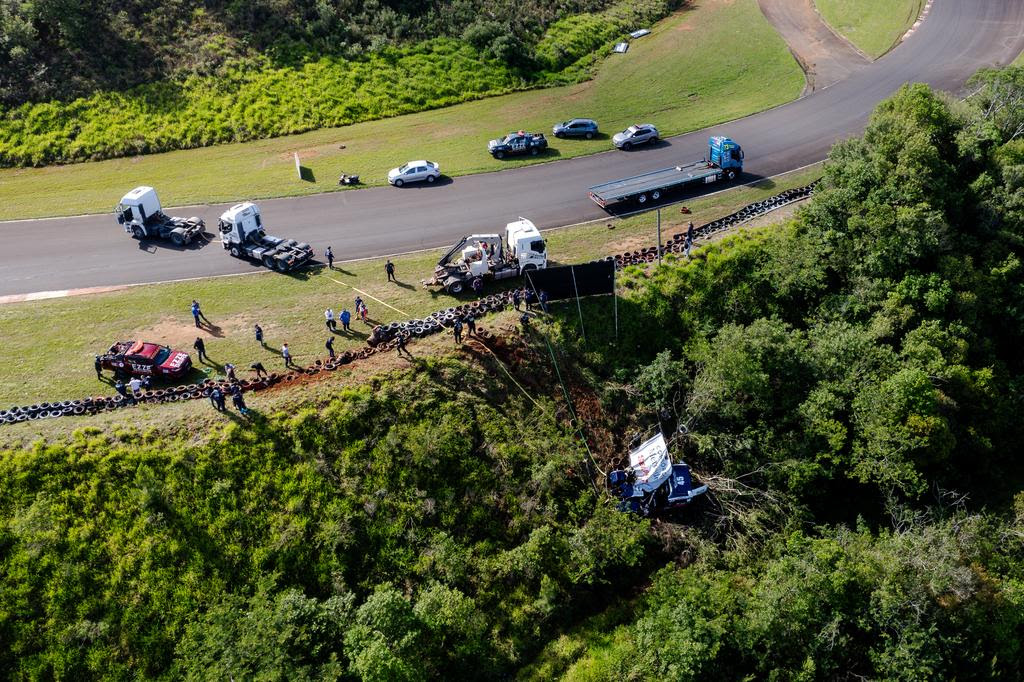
point(125, 212)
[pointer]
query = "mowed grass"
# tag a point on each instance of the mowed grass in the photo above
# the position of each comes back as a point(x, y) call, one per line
point(712, 63)
point(874, 26)
point(49, 345)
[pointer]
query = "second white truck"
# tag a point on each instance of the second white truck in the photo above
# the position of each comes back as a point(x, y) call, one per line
point(481, 257)
point(242, 235)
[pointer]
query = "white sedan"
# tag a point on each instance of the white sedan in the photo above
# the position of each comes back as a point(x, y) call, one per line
point(414, 171)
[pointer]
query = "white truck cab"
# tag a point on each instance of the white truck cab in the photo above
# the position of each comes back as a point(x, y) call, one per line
point(137, 207)
point(238, 222)
point(526, 245)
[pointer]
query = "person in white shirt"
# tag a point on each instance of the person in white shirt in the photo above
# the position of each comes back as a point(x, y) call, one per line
point(329, 317)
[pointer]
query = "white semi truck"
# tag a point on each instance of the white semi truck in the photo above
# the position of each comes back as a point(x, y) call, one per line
point(242, 235)
point(482, 257)
point(142, 217)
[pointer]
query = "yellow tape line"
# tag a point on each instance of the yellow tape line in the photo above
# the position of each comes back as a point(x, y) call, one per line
point(369, 296)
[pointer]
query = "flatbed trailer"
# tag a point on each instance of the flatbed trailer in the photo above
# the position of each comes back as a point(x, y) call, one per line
point(726, 162)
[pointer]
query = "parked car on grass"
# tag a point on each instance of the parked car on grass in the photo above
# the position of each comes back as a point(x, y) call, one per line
point(140, 358)
point(576, 127)
point(414, 171)
point(635, 135)
point(518, 143)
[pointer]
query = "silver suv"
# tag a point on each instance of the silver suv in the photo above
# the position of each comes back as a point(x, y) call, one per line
point(635, 135)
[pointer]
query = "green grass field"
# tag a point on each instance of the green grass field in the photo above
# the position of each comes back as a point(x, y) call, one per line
point(874, 26)
point(680, 78)
point(50, 344)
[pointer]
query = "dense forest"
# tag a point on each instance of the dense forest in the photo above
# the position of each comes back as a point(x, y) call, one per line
point(849, 384)
point(95, 80)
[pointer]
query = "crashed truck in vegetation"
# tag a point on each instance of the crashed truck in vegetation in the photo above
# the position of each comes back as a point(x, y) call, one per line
point(481, 257)
point(242, 235)
point(724, 162)
point(652, 484)
point(142, 217)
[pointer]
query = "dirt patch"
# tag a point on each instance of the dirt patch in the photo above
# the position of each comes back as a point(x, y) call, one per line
point(179, 333)
point(304, 154)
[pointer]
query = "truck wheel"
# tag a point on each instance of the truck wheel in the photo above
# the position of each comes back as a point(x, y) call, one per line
point(177, 238)
point(655, 195)
point(235, 252)
point(282, 266)
point(455, 287)
point(499, 155)
point(626, 146)
point(137, 232)
point(269, 262)
point(399, 182)
point(641, 199)
point(730, 174)
point(431, 178)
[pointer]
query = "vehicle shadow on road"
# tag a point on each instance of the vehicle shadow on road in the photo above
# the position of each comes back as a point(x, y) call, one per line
point(154, 245)
point(440, 182)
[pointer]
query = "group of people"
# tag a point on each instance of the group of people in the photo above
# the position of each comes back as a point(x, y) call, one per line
point(218, 399)
point(530, 298)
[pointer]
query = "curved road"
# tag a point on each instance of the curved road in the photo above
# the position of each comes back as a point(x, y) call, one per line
point(957, 38)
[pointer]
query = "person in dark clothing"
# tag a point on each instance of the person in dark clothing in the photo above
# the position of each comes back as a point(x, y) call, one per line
point(470, 325)
point(201, 349)
point(287, 355)
point(530, 299)
point(457, 331)
point(330, 258)
point(389, 268)
point(259, 334)
point(259, 369)
point(119, 387)
point(689, 233)
point(543, 300)
point(345, 317)
point(217, 399)
point(478, 285)
point(147, 383)
point(98, 365)
point(229, 371)
point(198, 313)
point(330, 346)
point(239, 402)
point(401, 339)
point(517, 298)
point(524, 320)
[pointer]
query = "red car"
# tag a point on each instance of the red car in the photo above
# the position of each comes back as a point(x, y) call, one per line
point(139, 358)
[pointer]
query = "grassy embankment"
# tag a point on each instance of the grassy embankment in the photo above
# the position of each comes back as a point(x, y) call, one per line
point(677, 78)
point(44, 365)
point(874, 26)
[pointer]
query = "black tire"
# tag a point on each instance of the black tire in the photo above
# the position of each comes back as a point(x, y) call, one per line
point(626, 146)
point(235, 252)
point(137, 232)
point(534, 151)
point(281, 265)
point(654, 140)
point(268, 262)
point(431, 179)
point(499, 155)
point(399, 182)
point(730, 174)
point(177, 239)
point(656, 194)
point(589, 136)
point(641, 199)
point(456, 287)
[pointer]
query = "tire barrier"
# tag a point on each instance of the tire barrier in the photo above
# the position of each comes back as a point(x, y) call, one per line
point(382, 338)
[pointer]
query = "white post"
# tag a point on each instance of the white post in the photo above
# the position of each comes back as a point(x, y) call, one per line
point(298, 167)
point(659, 236)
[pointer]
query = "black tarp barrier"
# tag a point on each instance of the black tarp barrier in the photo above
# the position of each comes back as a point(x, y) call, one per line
point(592, 279)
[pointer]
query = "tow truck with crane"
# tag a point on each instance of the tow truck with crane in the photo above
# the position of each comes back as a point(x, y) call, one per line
point(141, 215)
point(481, 257)
point(242, 235)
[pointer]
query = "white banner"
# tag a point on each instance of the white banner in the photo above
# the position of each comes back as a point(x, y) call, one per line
point(651, 464)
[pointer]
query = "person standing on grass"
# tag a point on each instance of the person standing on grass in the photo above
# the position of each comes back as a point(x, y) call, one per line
point(346, 317)
point(470, 325)
point(543, 296)
point(529, 298)
point(135, 385)
point(330, 346)
point(287, 355)
point(689, 232)
point(195, 311)
point(329, 319)
point(239, 402)
point(359, 305)
point(229, 371)
point(688, 247)
point(119, 387)
point(260, 370)
point(330, 258)
point(516, 298)
point(457, 331)
point(146, 383)
point(364, 314)
point(98, 365)
point(402, 338)
point(201, 349)
point(217, 399)
point(259, 334)
point(389, 268)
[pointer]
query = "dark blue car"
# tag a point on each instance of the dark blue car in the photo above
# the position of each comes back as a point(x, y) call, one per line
point(576, 127)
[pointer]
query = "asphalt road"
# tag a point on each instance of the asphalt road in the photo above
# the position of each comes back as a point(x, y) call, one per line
point(957, 38)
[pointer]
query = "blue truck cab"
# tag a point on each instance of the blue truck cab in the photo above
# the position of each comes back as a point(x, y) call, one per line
point(726, 154)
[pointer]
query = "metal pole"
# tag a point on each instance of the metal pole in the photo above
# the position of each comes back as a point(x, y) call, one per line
point(615, 299)
point(583, 330)
point(659, 236)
